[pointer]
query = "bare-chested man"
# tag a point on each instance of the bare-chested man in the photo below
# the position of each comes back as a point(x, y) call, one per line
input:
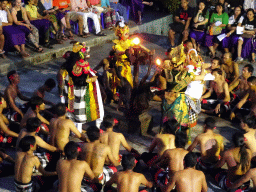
point(174, 157)
point(241, 83)
point(12, 91)
point(250, 175)
point(25, 162)
point(215, 64)
point(71, 171)
point(230, 68)
point(238, 160)
point(211, 145)
point(47, 87)
point(113, 139)
point(220, 87)
point(127, 180)
point(5, 132)
point(250, 95)
point(161, 142)
point(96, 153)
point(60, 129)
point(36, 105)
point(33, 127)
point(189, 179)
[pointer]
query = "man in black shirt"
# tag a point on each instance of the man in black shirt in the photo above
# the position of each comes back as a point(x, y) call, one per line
point(181, 23)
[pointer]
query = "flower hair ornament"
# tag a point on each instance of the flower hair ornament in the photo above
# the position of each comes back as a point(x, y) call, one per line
point(121, 29)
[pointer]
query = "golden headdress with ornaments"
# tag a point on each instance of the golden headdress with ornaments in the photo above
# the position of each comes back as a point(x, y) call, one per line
point(121, 29)
point(178, 55)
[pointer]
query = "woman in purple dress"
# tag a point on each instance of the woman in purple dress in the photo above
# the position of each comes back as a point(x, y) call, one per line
point(14, 37)
point(245, 47)
point(201, 19)
point(230, 41)
point(137, 7)
point(20, 18)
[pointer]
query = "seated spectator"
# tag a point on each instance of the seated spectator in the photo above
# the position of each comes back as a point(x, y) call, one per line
point(161, 142)
point(122, 10)
point(185, 179)
point(61, 128)
point(230, 41)
point(238, 160)
point(19, 16)
point(248, 4)
point(137, 7)
point(25, 162)
point(14, 37)
point(96, 154)
point(45, 9)
point(245, 48)
point(8, 132)
point(81, 8)
point(230, 68)
point(181, 23)
point(199, 27)
point(218, 22)
point(174, 157)
point(71, 171)
point(12, 92)
point(225, 5)
point(234, 4)
point(240, 87)
point(109, 14)
point(36, 105)
point(1, 41)
point(249, 96)
point(211, 145)
point(219, 93)
point(63, 7)
point(128, 180)
point(95, 7)
point(40, 22)
point(114, 140)
point(250, 175)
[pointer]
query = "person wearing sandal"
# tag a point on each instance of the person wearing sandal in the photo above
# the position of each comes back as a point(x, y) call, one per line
point(20, 19)
point(80, 6)
point(14, 37)
point(40, 22)
point(63, 7)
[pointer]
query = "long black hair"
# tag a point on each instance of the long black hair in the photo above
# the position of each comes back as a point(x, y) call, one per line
point(238, 140)
point(205, 8)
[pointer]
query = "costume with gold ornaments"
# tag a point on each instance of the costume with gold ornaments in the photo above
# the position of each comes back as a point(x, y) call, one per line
point(81, 96)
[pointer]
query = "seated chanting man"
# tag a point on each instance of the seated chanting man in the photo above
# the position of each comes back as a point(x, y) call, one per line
point(96, 154)
point(61, 127)
point(36, 105)
point(114, 140)
point(174, 157)
point(12, 92)
point(219, 93)
point(189, 179)
point(25, 162)
point(128, 180)
point(211, 145)
point(161, 142)
point(71, 171)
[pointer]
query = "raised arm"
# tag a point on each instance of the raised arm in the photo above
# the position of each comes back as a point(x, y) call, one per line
point(41, 143)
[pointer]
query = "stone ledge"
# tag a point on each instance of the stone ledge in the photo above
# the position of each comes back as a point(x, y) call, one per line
point(157, 27)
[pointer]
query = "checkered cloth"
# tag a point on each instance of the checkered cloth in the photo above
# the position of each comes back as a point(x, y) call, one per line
point(91, 187)
point(23, 187)
point(194, 109)
point(79, 104)
point(43, 158)
point(161, 176)
point(5, 139)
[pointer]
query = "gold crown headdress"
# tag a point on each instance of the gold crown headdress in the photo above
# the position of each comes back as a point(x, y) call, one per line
point(178, 55)
point(121, 29)
point(82, 49)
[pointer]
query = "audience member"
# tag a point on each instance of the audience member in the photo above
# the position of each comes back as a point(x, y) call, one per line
point(128, 180)
point(12, 92)
point(137, 7)
point(199, 27)
point(14, 37)
point(211, 145)
point(109, 14)
point(1, 40)
point(122, 10)
point(248, 4)
point(245, 47)
point(188, 179)
point(25, 162)
point(20, 17)
point(218, 22)
point(181, 23)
